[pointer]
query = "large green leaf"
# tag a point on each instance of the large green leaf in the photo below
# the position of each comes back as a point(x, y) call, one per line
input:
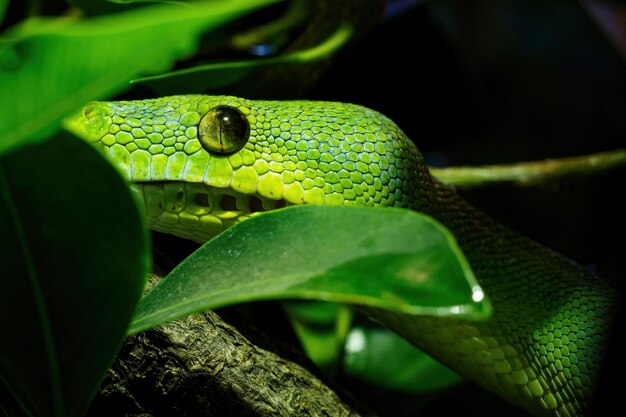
point(49, 68)
point(74, 255)
point(389, 258)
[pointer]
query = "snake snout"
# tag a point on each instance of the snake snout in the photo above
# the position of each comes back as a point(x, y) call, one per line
point(91, 122)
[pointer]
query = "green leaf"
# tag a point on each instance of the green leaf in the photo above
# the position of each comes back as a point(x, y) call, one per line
point(221, 75)
point(385, 359)
point(74, 255)
point(96, 7)
point(50, 67)
point(3, 8)
point(322, 328)
point(389, 258)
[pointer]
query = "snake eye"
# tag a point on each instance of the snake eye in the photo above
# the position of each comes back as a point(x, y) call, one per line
point(224, 130)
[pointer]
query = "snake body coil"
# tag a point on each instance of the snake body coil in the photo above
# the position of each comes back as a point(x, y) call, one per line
point(543, 349)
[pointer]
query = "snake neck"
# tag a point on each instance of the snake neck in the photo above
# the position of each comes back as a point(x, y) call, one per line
point(545, 345)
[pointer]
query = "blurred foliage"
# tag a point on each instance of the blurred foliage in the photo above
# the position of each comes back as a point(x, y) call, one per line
point(322, 328)
point(87, 59)
point(388, 361)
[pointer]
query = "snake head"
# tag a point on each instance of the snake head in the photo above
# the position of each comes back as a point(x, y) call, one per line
point(209, 161)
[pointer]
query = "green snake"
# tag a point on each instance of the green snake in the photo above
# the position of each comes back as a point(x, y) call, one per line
point(203, 163)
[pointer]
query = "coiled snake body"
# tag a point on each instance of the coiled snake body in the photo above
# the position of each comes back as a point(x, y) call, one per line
point(203, 163)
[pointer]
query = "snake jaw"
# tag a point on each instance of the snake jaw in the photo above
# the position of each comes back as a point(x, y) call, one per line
point(197, 211)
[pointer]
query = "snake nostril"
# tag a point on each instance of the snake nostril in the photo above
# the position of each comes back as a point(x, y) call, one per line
point(89, 112)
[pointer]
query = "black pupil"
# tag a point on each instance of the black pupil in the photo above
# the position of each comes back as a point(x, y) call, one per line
point(233, 125)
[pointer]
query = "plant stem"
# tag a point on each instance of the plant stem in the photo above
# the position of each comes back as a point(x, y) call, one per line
point(531, 173)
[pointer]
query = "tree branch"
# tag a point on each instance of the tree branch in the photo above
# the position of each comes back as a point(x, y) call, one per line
point(203, 366)
point(531, 173)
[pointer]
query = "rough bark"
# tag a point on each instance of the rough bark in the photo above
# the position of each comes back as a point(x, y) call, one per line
point(204, 366)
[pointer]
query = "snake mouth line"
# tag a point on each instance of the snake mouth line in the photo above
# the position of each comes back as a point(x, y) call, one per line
point(197, 211)
point(200, 199)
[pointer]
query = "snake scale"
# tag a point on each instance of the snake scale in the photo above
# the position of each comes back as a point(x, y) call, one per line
point(203, 163)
